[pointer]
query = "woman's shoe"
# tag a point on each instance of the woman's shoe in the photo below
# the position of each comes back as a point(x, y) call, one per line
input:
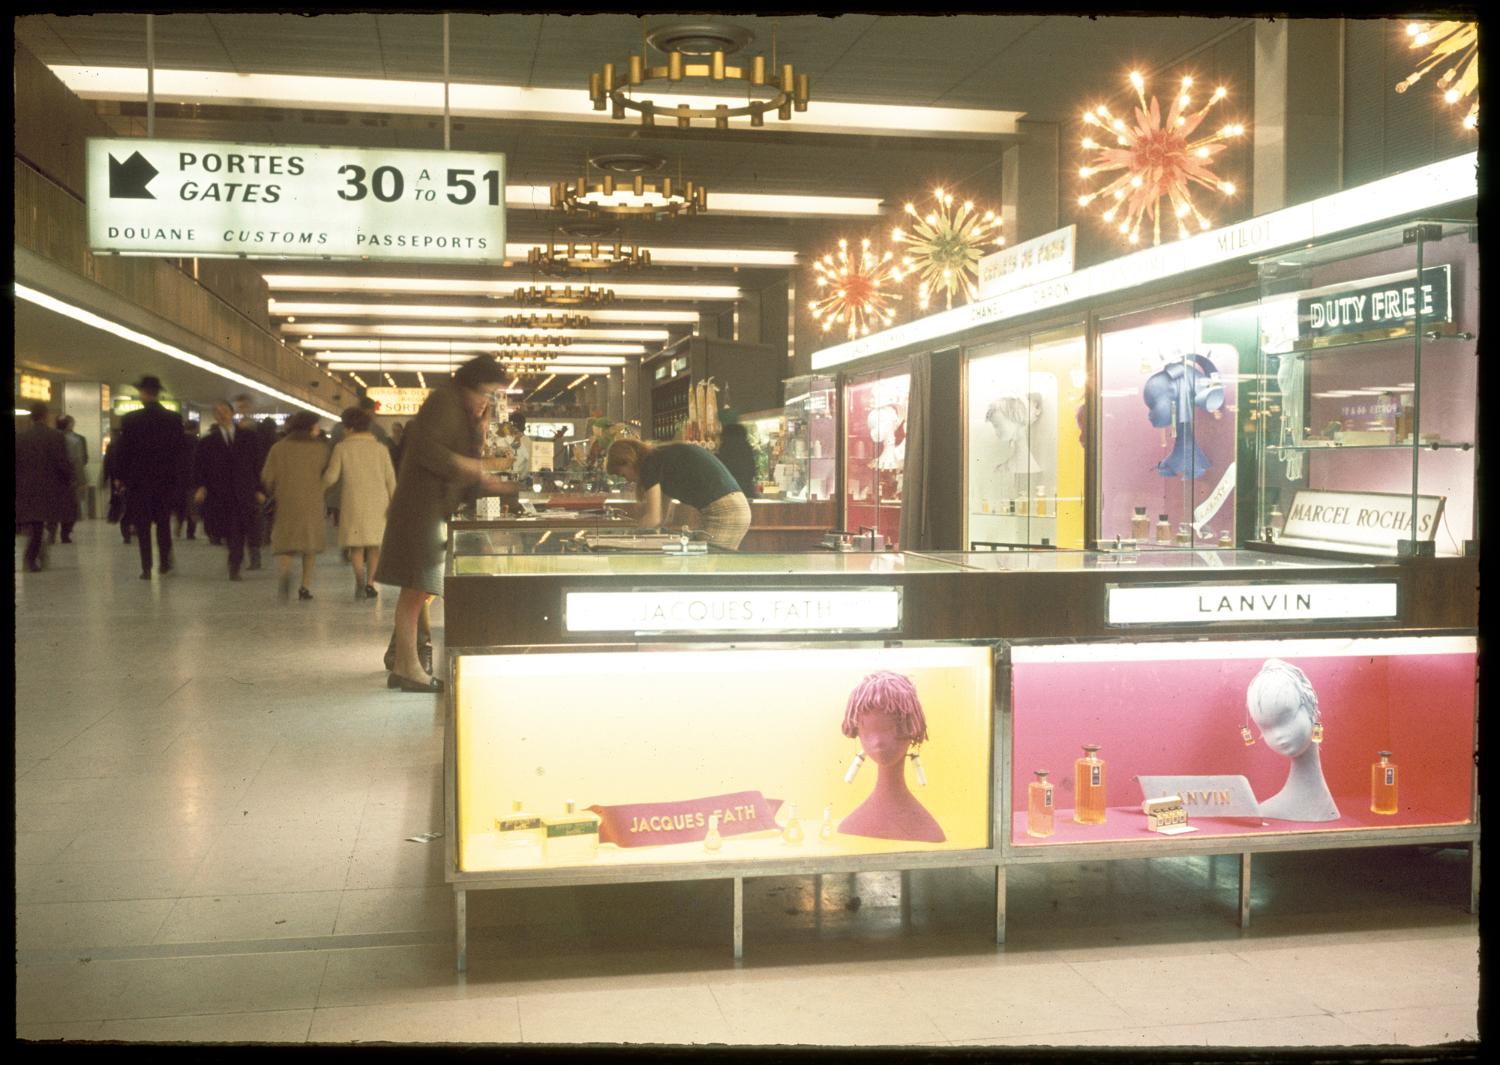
point(431, 686)
point(303, 593)
point(370, 592)
point(424, 655)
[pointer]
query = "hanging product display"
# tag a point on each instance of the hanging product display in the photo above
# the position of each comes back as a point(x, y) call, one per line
point(1171, 394)
point(1154, 160)
point(946, 245)
point(855, 290)
point(1457, 42)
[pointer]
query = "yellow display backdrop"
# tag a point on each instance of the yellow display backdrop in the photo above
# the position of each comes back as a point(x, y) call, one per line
point(644, 735)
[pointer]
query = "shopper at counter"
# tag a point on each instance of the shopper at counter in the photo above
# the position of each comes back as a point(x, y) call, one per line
point(440, 468)
point(737, 455)
point(689, 474)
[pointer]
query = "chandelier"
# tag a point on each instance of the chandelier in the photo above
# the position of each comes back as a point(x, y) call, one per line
point(849, 290)
point(946, 245)
point(535, 341)
point(656, 199)
point(567, 296)
point(543, 321)
point(765, 88)
point(571, 258)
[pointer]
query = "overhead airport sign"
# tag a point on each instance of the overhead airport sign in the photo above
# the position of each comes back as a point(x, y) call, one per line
point(221, 200)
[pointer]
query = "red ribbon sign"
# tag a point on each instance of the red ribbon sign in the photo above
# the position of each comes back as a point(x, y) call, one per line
point(650, 824)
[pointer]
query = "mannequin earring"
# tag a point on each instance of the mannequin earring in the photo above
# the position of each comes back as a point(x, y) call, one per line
point(1317, 730)
point(1245, 733)
point(859, 760)
point(916, 761)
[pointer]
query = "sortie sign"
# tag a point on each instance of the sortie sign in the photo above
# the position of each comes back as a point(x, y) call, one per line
point(221, 200)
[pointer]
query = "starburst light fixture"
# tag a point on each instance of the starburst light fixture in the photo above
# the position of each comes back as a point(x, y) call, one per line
point(946, 244)
point(1455, 41)
point(765, 90)
point(850, 289)
point(567, 296)
point(1158, 159)
point(566, 258)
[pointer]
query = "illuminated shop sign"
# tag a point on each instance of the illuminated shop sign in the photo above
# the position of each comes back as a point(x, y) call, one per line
point(400, 402)
point(33, 387)
point(736, 610)
point(1379, 303)
point(126, 404)
point(1392, 197)
point(1358, 521)
point(1187, 604)
point(211, 199)
point(1032, 261)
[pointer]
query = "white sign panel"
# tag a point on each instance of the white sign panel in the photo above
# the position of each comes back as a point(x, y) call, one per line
point(400, 402)
point(1029, 263)
point(210, 199)
point(1205, 796)
point(1186, 604)
point(1357, 521)
point(729, 611)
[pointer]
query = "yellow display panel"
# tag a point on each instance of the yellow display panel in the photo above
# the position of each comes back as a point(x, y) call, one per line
point(660, 740)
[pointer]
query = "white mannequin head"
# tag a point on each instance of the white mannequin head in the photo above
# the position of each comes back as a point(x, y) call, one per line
point(1285, 707)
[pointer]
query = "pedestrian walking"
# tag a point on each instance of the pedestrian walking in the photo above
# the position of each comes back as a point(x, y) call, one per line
point(293, 477)
point(226, 484)
point(361, 468)
point(44, 483)
point(149, 445)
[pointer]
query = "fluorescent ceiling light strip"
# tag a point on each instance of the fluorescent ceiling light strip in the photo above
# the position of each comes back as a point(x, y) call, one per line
point(507, 102)
point(691, 256)
point(78, 314)
point(470, 332)
point(767, 204)
point(438, 358)
point(414, 367)
point(1402, 195)
point(357, 344)
point(505, 289)
point(489, 310)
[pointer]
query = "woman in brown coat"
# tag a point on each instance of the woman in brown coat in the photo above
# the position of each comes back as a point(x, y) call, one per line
point(293, 477)
point(440, 467)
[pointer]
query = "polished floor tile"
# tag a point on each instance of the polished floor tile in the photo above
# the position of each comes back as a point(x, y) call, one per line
point(212, 809)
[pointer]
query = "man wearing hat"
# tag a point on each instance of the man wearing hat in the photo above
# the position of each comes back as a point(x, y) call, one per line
point(150, 442)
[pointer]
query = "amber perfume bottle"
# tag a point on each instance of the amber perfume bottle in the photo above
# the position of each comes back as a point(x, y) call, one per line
point(1039, 507)
point(1088, 789)
point(1039, 805)
point(1383, 785)
point(1163, 529)
point(520, 829)
point(1140, 526)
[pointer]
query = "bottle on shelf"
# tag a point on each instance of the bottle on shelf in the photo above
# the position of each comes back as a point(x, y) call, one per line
point(825, 830)
point(1021, 503)
point(1184, 534)
point(1383, 786)
point(520, 829)
point(572, 837)
point(713, 841)
point(1276, 519)
point(1088, 787)
point(1039, 805)
point(1039, 507)
point(1226, 538)
point(1140, 526)
point(791, 832)
point(1163, 529)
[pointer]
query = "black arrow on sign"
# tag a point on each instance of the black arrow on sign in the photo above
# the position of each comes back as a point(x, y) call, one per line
point(128, 180)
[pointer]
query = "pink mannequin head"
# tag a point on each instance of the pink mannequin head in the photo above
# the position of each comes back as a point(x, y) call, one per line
point(886, 715)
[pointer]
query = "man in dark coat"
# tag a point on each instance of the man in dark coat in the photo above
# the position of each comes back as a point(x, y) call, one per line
point(266, 436)
point(226, 480)
point(150, 442)
point(44, 482)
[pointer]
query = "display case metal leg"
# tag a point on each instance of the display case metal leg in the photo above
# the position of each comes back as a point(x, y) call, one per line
point(461, 927)
point(739, 918)
point(1245, 890)
point(1000, 905)
point(1474, 877)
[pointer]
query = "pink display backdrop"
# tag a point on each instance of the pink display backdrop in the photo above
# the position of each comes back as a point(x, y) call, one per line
point(1174, 718)
point(882, 509)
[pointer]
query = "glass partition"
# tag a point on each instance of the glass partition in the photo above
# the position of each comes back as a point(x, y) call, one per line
point(875, 452)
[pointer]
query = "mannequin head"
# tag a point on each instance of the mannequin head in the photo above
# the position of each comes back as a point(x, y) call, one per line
point(883, 422)
point(886, 716)
point(1285, 707)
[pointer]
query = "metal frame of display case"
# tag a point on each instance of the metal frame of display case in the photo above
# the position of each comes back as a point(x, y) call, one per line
point(993, 599)
point(733, 870)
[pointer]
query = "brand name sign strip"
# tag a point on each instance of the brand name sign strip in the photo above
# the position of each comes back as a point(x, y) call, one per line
point(735, 611)
point(1202, 603)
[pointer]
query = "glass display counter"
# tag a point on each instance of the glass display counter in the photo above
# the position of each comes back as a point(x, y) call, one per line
point(875, 452)
point(618, 717)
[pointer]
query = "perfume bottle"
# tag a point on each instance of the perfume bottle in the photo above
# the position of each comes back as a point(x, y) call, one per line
point(1039, 805)
point(713, 841)
point(1226, 539)
point(1088, 787)
point(1184, 534)
point(791, 832)
point(1163, 529)
point(1021, 503)
point(573, 836)
point(1276, 519)
point(825, 830)
point(519, 829)
point(1039, 508)
point(1383, 785)
point(1140, 525)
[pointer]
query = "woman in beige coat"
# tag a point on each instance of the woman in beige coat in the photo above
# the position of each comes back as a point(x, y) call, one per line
point(363, 463)
point(293, 476)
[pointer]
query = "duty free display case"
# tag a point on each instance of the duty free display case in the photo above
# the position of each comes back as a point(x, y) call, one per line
point(639, 687)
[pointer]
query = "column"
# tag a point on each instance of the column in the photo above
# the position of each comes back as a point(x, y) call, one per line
point(1029, 182)
point(614, 402)
point(631, 400)
point(81, 399)
point(1297, 135)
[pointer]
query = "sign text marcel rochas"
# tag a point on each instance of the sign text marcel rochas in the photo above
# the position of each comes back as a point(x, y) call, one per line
point(208, 199)
point(738, 610)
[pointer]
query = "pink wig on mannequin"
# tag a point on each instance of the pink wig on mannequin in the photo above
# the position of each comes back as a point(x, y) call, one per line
point(890, 693)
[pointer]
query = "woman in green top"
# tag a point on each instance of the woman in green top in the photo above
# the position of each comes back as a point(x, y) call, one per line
point(687, 473)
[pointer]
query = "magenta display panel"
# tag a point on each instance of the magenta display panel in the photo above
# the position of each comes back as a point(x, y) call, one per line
point(1176, 709)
